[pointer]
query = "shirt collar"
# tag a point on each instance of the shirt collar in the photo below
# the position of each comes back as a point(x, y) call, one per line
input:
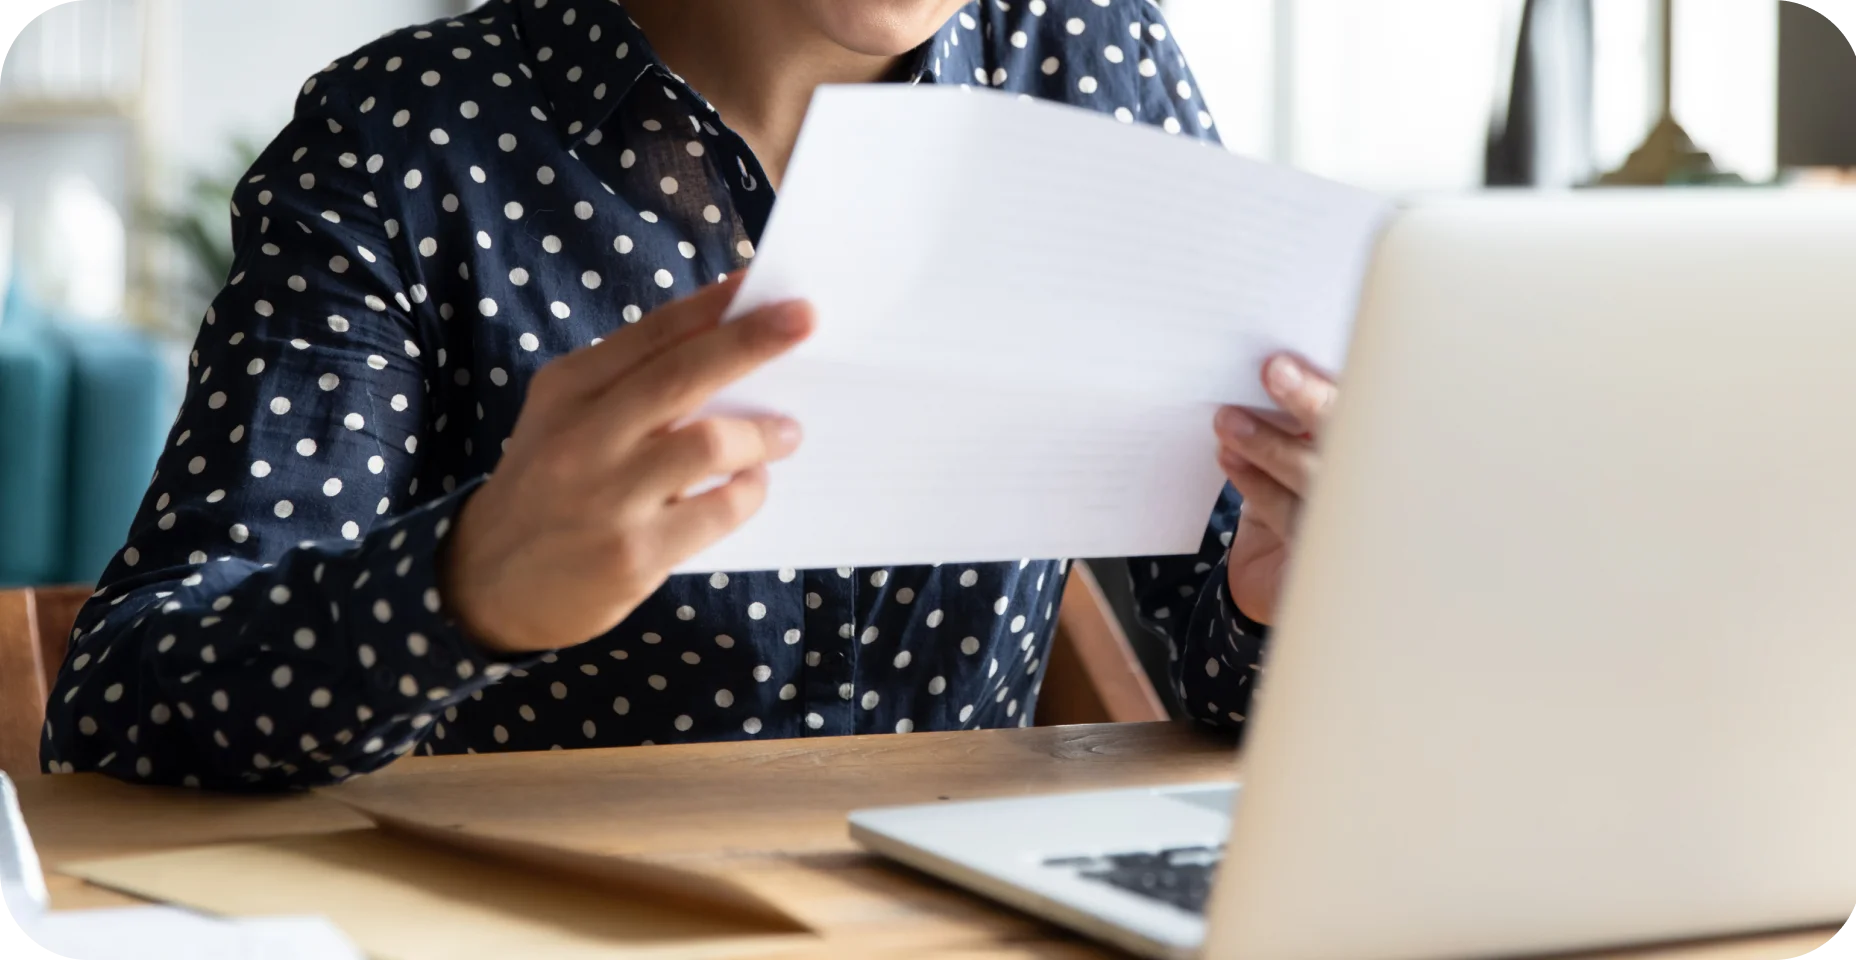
point(588, 57)
point(954, 54)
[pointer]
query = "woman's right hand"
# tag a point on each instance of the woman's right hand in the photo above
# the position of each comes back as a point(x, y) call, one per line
point(586, 515)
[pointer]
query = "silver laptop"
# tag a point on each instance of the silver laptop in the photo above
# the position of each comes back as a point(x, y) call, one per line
point(1568, 658)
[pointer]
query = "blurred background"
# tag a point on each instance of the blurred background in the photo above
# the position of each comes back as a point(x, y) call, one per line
point(124, 123)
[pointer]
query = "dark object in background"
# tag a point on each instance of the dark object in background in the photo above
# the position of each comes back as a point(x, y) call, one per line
point(1847, 17)
point(1541, 131)
point(1817, 91)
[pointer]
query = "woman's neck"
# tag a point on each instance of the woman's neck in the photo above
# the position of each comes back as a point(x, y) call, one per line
point(757, 62)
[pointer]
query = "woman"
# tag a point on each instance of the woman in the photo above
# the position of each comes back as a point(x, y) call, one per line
point(425, 487)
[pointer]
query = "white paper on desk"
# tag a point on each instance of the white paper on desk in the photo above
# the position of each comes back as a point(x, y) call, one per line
point(22, 882)
point(168, 933)
point(1028, 315)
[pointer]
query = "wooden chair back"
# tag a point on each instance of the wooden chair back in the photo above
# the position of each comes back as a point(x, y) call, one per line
point(1093, 675)
point(35, 628)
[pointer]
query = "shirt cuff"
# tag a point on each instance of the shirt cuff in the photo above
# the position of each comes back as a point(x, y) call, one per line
point(414, 654)
point(1234, 619)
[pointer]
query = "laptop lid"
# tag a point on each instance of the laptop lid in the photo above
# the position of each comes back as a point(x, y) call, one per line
point(1569, 656)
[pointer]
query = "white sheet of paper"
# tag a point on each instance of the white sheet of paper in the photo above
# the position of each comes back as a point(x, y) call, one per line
point(1028, 315)
point(167, 933)
point(22, 881)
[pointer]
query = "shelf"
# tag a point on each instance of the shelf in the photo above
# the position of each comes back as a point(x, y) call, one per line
point(55, 109)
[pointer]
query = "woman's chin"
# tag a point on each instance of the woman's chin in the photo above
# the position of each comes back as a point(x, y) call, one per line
point(880, 28)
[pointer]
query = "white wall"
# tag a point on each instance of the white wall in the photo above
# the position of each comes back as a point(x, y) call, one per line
point(237, 64)
point(1727, 81)
point(1395, 96)
point(1389, 95)
point(1231, 45)
point(232, 69)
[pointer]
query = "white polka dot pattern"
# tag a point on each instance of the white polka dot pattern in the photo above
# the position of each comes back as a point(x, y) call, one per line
point(452, 207)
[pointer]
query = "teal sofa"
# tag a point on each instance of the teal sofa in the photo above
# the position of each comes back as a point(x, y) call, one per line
point(83, 414)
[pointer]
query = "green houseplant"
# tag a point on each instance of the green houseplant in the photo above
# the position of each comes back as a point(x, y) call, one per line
point(198, 228)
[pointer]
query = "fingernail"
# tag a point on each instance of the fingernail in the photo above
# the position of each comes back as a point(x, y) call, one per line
point(786, 436)
point(789, 319)
point(1286, 375)
point(1233, 422)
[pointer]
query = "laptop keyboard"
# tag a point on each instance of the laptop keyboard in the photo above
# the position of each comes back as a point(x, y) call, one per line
point(1181, 877)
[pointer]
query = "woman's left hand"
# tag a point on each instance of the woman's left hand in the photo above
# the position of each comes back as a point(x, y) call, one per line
point(1273, 468)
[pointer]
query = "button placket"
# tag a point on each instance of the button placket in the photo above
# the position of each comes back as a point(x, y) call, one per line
point(829, 609)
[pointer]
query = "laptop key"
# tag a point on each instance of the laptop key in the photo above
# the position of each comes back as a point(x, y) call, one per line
point(1180, 877)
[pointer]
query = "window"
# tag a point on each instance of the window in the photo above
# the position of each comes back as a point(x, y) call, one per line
point(1398, 96)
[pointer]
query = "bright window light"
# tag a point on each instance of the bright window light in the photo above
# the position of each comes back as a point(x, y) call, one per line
point(1398, 96)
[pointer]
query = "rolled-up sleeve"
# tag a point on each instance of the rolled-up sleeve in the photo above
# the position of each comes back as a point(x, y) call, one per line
point(1214, 650)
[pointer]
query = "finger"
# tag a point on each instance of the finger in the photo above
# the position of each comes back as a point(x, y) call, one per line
point(1303, 392)
point(688, 526)
point(594, 368)
point(1291, 461)
point(717, 447)
point(682, 378)
point(1266, 502)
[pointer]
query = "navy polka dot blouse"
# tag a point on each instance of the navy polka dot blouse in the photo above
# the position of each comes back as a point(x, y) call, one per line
point(453, 206)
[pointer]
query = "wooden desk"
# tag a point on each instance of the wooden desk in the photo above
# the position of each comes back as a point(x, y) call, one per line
point(771, 812)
